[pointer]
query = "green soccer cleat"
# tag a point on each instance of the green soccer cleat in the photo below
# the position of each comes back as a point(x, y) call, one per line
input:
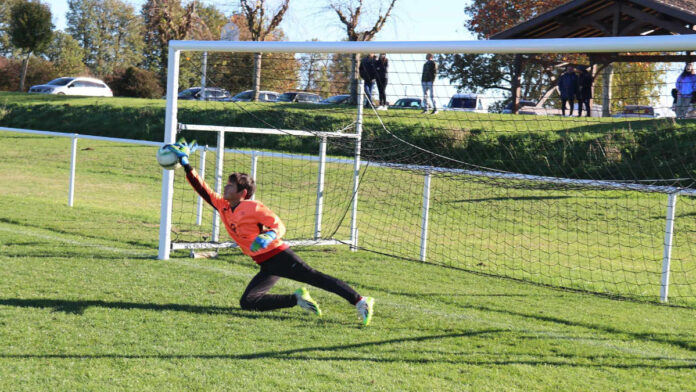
point(305, 301)
point(365, 309)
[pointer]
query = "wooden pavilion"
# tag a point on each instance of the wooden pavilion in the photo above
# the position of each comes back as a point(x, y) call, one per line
point(607, 18)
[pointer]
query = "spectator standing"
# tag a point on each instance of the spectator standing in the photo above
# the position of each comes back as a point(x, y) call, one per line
point(568, 88)
point(382, 72)
point(427, 80)
point(368, 73)
point(584, 91)
point(686, 83)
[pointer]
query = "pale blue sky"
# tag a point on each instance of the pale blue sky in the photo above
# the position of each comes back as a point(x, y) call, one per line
point(412, 20)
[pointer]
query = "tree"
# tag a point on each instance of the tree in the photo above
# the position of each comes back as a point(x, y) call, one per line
point(164, 20)
point(532, 76)
point(314, 72)
point(39, 72)
point(30, 30)
point(339, 73)
point(235, 71)
point(632, 84)
point(259, 27)
point(109, 32)
point(66, 55)
point(6, 48)
point(349, 13)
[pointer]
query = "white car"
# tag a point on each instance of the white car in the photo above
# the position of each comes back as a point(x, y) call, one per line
point(641, 111)
point(74, 86)
point(463, 102)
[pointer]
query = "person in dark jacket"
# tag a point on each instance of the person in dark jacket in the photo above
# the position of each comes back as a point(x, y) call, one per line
point(382, 66)
point(427, 80)
point(368, 73)
point(584, 90)
point(567, 87)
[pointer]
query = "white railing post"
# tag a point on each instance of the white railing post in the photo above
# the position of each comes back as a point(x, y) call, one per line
point(201, 171)
point(318, 212)
point(356, 171)
point(424, 215)
point(254, 163)
point(73, 163)
point(219, 162)
point(170, 129)
point(667, 254)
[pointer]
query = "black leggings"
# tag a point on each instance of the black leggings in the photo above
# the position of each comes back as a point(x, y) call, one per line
point(381, 87)
point(287, 264)
point(571, 101)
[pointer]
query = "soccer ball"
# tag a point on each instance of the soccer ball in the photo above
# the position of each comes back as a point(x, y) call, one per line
point(167, 158)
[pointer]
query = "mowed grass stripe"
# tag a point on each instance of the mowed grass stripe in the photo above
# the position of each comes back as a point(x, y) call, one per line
point(402, 303)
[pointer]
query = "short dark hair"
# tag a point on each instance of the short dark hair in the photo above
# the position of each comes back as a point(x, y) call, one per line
point(243, 181)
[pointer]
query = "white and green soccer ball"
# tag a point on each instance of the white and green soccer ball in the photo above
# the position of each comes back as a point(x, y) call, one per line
point(167, 158)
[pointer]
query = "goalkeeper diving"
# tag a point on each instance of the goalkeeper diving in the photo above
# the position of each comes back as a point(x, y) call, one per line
point(258, 232)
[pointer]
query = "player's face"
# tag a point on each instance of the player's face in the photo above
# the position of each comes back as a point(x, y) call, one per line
point(232, 195)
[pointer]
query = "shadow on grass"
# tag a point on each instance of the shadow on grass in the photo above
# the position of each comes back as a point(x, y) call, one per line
point(79, 307)
point(534, 198)
point(461, 358)
point(655, 337)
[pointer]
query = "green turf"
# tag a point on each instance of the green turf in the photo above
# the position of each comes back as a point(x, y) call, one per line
point(85, 305)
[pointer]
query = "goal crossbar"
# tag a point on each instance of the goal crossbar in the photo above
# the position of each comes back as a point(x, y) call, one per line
point(264, 131)
point(523, 46)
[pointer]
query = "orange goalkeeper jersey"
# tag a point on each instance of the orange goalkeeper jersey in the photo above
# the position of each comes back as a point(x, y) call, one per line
point(244, 222)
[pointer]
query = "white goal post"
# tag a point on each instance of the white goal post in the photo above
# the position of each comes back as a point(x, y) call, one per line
point(519, 46)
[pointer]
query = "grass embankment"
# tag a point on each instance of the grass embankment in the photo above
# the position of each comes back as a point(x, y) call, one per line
point(592, 148)
point(84, 304)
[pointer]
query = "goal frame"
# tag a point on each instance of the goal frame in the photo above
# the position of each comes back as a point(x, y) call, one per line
point(518, 46)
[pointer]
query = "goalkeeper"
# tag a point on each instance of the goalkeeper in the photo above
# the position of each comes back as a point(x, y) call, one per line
point(258, 232)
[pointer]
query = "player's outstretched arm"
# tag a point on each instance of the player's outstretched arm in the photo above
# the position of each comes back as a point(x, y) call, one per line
point(183, 150)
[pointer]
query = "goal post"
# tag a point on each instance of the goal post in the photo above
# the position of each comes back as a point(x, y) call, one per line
point(492, 180)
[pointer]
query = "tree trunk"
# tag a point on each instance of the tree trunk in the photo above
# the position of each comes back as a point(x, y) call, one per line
point(354, 75)
point(606, 90)
point(515, 85)
point(25, 65)
point(257, 76)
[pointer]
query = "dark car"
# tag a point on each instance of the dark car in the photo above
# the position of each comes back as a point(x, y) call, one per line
point(264, 96)
point(407, 103)
point(336, 100)
point(299, 97)
point(523, 103)
point(211, 94)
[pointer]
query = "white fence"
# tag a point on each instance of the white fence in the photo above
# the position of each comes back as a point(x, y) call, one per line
point(671, 192)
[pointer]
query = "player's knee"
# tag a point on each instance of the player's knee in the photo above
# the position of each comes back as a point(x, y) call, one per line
point(246, 304)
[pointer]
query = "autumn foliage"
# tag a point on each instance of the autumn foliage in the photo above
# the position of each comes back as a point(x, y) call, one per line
point(489, 17)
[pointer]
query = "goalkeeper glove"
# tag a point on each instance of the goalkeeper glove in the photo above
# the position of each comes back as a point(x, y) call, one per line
point(263, 240)
point(183, 150)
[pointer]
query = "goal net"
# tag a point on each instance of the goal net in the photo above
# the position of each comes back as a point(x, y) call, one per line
point(519, 159)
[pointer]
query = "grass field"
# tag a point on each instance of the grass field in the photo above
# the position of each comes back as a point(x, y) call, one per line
point(85, 305)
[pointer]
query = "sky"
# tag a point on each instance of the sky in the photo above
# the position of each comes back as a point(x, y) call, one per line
point(411, 20)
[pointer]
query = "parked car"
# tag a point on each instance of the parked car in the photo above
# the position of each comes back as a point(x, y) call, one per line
point(336, 100)
point(407, 103)
point(299, 97)
point(465, 103)
point(596, 111)
point(74, 86)
point(211, 94)
point(641, 111)
point(264, 96)
point(522, 103)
